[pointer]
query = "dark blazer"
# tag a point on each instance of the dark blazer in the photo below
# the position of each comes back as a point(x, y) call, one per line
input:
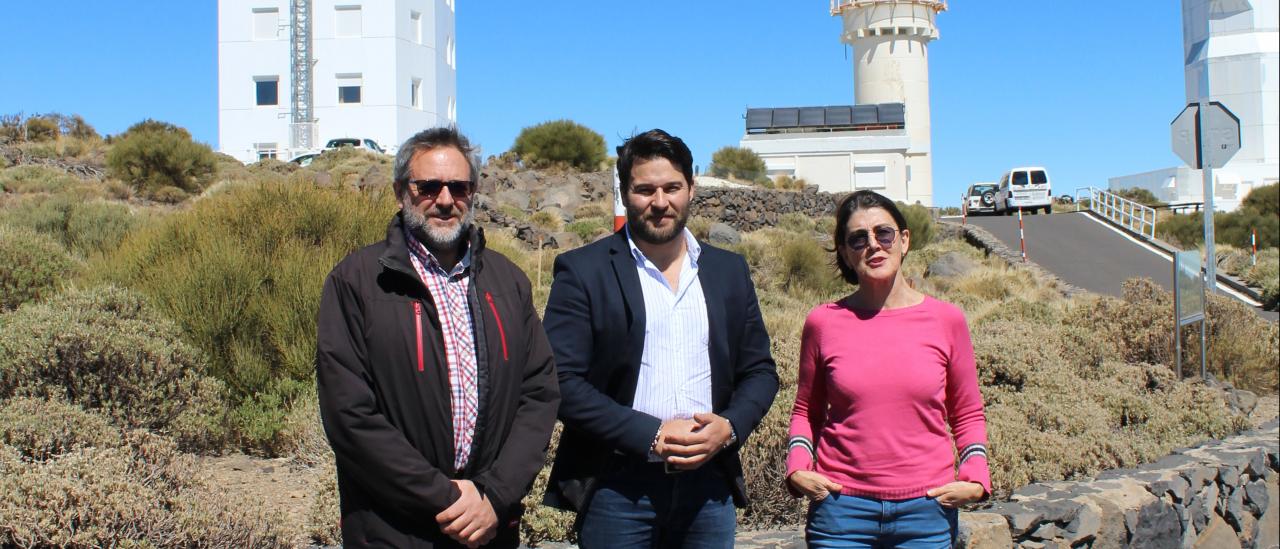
point(383, 385)
point(595, 320)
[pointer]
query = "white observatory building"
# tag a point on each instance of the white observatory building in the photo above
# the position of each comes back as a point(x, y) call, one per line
point(293, 74)
point(881, 142)
point(1242, 54)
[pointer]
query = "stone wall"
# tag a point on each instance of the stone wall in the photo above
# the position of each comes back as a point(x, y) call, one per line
point(751, 209)
point(1219, 494)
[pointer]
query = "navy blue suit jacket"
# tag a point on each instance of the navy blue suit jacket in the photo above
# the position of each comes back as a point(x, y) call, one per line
point(595, 321)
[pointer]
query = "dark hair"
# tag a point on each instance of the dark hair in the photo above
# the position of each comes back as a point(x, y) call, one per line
point(861, 200)
point(425, 140)
point(652, 144)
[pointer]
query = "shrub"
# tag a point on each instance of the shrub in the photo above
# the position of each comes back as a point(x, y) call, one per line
point(40, 429)
point(75, 126)
point(546, 220)
point(32, 267)
point(787, 183)
point(1234, 228)
point(560, 143)
point(1139, 195)
point(141, 494)
point(240, 272)
point(83, 226)
point(41, 128)
point(737, 163)
point(796, 223)
point(11, 129)
point(920, 220)
point(1264, 200)
point(153, 156)
point(103, 349)
point(35, 179)
point(589, 228)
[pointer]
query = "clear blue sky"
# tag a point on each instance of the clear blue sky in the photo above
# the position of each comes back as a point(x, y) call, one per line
point(1085, 89)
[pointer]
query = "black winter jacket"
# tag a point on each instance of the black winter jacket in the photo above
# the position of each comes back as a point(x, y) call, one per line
point(384, 394)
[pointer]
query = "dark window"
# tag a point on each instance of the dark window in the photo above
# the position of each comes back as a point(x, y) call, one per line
point(1019, 178)
point(348, 94)
point(371, 145)
point(268, 92)
point(1038, 178)
point(977, 191)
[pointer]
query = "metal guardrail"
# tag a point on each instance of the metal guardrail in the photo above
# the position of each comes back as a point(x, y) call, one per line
point(1124, 212)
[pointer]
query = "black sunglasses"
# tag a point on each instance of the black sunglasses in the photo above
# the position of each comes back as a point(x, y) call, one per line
point(430, 188)
point(860, 239)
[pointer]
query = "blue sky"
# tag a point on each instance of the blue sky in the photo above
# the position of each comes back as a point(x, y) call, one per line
point(1085, 89)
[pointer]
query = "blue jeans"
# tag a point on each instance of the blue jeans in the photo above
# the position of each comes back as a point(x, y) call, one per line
point(852, 521)
point(642, 507)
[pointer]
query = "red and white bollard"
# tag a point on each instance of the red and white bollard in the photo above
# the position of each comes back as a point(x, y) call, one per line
point(1022, 237)
point(619, 211)
point(1253, 242)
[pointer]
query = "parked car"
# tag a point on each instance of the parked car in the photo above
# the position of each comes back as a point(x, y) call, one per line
point(304, 159)
point(979, 199)
point(1025, 188)
point(357, 142)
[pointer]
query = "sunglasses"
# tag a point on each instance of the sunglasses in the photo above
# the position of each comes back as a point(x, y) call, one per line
point(430, 188)
point(860, 239)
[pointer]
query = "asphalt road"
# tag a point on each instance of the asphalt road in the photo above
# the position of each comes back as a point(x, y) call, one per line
point(1084, 252)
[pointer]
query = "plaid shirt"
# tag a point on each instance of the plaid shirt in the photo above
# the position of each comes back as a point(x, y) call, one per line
point(450, 293)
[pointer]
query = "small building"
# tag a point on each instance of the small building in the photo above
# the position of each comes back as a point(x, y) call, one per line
point(839, 149)
point(379, 70)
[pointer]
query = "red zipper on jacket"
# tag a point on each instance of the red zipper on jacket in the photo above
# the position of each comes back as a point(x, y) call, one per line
point(501, 332)
point(417, 328)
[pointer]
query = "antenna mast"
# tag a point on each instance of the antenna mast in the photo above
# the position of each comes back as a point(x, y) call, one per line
point(303, 122)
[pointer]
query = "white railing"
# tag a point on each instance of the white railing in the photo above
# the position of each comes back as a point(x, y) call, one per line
point(1124, 212)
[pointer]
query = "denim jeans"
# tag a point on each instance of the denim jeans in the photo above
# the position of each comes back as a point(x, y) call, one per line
point(852, 521)
point(643, 507)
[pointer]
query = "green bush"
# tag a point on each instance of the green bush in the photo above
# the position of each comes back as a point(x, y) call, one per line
point(153, 156)
point(141, 494)
point(104, 349)
point(806, 266)
point(560, 143)
point(920, 221)
point(41, 429)
point(589, 228)
point(76, 126)
point(737, 163)
point(41, 128)
point(240, 271)
point(32, 266)
point(1264, 200)
point(86, 227)
point(1139, 195)
point(35, 179)
point(796, 223)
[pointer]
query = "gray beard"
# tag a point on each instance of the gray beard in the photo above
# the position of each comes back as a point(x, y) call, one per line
point(435, 239)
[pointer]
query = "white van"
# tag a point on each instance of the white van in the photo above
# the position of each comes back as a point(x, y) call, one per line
point(1025, 188)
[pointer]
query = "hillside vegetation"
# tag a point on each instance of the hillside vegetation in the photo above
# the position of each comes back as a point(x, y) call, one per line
point(137, 335)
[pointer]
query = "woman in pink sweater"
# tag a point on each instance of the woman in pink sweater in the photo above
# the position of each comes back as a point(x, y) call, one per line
point(888, 391)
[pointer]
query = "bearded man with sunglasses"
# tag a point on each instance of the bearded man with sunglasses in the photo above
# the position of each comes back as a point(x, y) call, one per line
point(437, 386)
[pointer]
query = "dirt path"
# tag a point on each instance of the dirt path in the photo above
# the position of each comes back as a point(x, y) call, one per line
point(277, 484)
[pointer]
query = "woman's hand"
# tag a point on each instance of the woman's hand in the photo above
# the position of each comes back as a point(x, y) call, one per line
point(956, 494)
point(812, 485)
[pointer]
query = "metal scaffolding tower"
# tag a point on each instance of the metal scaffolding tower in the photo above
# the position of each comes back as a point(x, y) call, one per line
point(302, 113)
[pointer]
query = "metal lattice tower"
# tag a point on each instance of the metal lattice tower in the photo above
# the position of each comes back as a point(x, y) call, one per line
point(301, 61)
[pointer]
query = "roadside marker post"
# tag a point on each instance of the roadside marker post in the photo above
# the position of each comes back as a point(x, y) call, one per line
point(1022, 238)
point(1253, 243)
point(619, 212)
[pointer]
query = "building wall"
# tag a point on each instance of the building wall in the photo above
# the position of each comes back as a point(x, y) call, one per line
point(840, 162)
point(383, 56)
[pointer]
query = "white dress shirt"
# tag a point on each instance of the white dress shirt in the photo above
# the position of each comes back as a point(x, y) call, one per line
point(675, 367)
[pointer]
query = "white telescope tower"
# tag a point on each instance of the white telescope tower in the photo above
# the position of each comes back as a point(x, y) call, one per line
point(891, 65)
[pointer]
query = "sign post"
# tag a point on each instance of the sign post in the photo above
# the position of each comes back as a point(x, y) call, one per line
point(1206, 135)
point(1188, 304)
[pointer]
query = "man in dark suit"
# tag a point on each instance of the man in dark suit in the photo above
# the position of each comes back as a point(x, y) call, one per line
point(664, 368)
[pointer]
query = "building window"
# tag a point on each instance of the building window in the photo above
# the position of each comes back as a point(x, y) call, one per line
point(346, 21)
point(349, 88)
point(415, 26)
point(869, 175)
point(266, 150)
point(415, 93)
point(267, 90)
point(266, 23)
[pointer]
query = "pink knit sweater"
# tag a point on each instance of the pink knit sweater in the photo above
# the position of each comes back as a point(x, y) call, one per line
point(877, 393)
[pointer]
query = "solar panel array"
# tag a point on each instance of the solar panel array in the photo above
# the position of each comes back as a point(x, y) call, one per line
point(840, 116)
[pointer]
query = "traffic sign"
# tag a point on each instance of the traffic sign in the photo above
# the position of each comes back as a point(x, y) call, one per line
point(1222, 130)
